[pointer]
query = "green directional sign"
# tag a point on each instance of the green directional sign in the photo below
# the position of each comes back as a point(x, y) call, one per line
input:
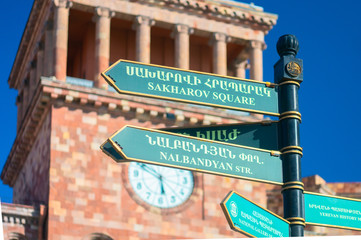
point(190, 153)
point(332, 211)
point(108, 149)
point(251, 219)
point(192, 87)
point(262, 135)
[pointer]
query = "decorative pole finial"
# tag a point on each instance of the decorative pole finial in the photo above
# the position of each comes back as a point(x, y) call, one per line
point(287, 45)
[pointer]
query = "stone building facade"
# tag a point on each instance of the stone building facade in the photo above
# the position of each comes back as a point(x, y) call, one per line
point(64, 187)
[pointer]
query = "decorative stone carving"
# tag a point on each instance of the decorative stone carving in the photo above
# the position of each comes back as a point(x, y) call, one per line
point(63, 3)
point(181, 28)
point(143, 20)
point(257, 45)
point(104, 12)
point(219, 37)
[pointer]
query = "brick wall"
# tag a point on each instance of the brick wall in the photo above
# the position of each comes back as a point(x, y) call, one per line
point(89, 194)
point(32, 184)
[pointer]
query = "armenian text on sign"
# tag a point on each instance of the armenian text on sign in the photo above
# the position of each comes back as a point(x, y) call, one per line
point(192, 87)
point(251, 219)
point(195, 154)
point(332, 211)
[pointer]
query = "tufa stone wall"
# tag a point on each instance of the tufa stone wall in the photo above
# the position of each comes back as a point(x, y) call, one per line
point(90, 193)
point(32, 184)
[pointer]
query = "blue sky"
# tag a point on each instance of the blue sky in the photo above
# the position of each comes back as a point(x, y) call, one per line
point(329, 33)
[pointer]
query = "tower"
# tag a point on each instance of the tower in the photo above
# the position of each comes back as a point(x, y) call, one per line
point(66, 111)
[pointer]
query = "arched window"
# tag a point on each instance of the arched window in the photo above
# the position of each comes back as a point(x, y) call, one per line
point(17, 236)
point(98, 236)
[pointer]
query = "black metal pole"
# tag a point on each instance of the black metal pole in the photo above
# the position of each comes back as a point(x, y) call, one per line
point(288, 75)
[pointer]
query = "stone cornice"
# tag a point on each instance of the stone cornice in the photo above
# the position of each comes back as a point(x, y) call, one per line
point(33, 27)
point(219, 9)
point(52, 92)
point(209, 15)
point(27, 131)
point(224, 9)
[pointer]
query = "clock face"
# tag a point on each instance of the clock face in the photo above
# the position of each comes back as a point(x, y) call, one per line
point(161, 187)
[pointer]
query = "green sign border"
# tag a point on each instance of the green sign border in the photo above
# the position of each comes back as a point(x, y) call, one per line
point(327, 225)
point(127, 159)
point(111, 83)
point(229, 220)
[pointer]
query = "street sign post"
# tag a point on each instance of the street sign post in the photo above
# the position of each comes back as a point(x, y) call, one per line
point(190, 153)
point(332, 211)
point(209, 156)
point(192, 87)
point(251, 219)
point(262, 135)
point(288, 74)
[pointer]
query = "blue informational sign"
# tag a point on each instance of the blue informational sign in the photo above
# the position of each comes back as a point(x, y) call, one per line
point(190, 153)
point(251, 219)
point(167, 83)
point(332, 211)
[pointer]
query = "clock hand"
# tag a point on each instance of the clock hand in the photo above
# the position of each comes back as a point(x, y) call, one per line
point(145, 166)
point(174, 192)
point(161, 185)
point(155, 174)
point(149, 170)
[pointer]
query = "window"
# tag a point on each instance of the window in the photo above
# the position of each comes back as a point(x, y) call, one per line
point(98, 236)
point(17, 236)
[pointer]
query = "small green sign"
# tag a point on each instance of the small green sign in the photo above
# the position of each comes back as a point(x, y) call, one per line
point(190, 153)
point(332, 211)
point(262, 135)
point(192, 87)
point(251, 219)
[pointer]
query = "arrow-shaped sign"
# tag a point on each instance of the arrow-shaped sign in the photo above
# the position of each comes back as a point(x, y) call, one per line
point(192, 87)
point(332, 211)
point(190, 153)
point(251, 219)
point(261, 135)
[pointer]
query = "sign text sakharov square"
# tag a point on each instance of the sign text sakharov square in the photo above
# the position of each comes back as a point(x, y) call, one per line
point(192, 87)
